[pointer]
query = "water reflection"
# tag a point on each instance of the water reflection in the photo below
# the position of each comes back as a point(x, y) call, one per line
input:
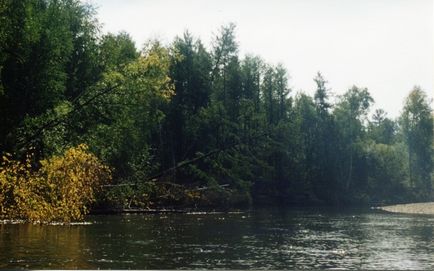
point(36, 246)
point(270, 239)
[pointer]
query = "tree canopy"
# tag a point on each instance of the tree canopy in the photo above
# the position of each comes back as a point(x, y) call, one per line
point(185, 125)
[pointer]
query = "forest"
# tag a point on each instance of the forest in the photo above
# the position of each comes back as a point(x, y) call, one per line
point(90, 121)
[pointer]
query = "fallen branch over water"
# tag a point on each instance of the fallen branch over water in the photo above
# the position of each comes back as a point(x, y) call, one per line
point(426, 208)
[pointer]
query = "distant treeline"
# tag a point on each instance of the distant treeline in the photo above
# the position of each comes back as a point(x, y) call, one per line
point(189, 125)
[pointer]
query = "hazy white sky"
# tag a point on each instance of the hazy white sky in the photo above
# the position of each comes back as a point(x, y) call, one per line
point(384, 45)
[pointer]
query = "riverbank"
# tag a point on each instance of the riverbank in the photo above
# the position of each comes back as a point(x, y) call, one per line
point(426, 208)
point(165, 211)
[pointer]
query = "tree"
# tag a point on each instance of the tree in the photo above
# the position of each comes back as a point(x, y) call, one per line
point(190, 73)
point(305, 143)
point(49, 57)
point(325, 144)
point(130, 115)
point(82, 68)
point(115, 51)
point(192, 117)
point(226, 85)
point(321, 95)
point(269, 96)
point(417, 127)
point(350, 114)
point(252, 68)
point(387, 171)
point(381, 128)
point(226, 79)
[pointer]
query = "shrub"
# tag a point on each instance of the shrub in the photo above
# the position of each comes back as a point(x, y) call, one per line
point(60, 190)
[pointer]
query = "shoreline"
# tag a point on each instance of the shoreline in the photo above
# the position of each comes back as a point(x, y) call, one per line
point(423, 208)
point(164, 211)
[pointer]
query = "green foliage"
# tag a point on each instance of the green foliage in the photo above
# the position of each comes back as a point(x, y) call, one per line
point(351, 114)
point(48, 56)
point(183, 125)
point(417, 128)
point(116, 51)
point(126, 196)
point(382, 129)
point(126, 118)
point(387, 173)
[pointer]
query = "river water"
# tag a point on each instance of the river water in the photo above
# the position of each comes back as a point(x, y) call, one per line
point(266, 238)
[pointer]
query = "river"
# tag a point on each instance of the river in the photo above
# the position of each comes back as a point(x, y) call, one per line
point(265, 238)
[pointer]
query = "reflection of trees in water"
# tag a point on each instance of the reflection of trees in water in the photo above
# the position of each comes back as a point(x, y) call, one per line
point(39, 246)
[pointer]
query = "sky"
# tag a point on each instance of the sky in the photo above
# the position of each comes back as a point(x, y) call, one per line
point(386, 46)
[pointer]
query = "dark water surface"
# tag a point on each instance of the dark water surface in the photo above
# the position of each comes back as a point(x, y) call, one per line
point(271, 238)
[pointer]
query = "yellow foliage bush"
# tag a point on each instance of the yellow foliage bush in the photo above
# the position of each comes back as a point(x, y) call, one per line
point(60, 190)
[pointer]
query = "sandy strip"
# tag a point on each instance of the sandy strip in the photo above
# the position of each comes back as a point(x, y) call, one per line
point(426, 208)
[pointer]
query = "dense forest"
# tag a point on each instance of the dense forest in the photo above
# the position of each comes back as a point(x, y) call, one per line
point(187, 125)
